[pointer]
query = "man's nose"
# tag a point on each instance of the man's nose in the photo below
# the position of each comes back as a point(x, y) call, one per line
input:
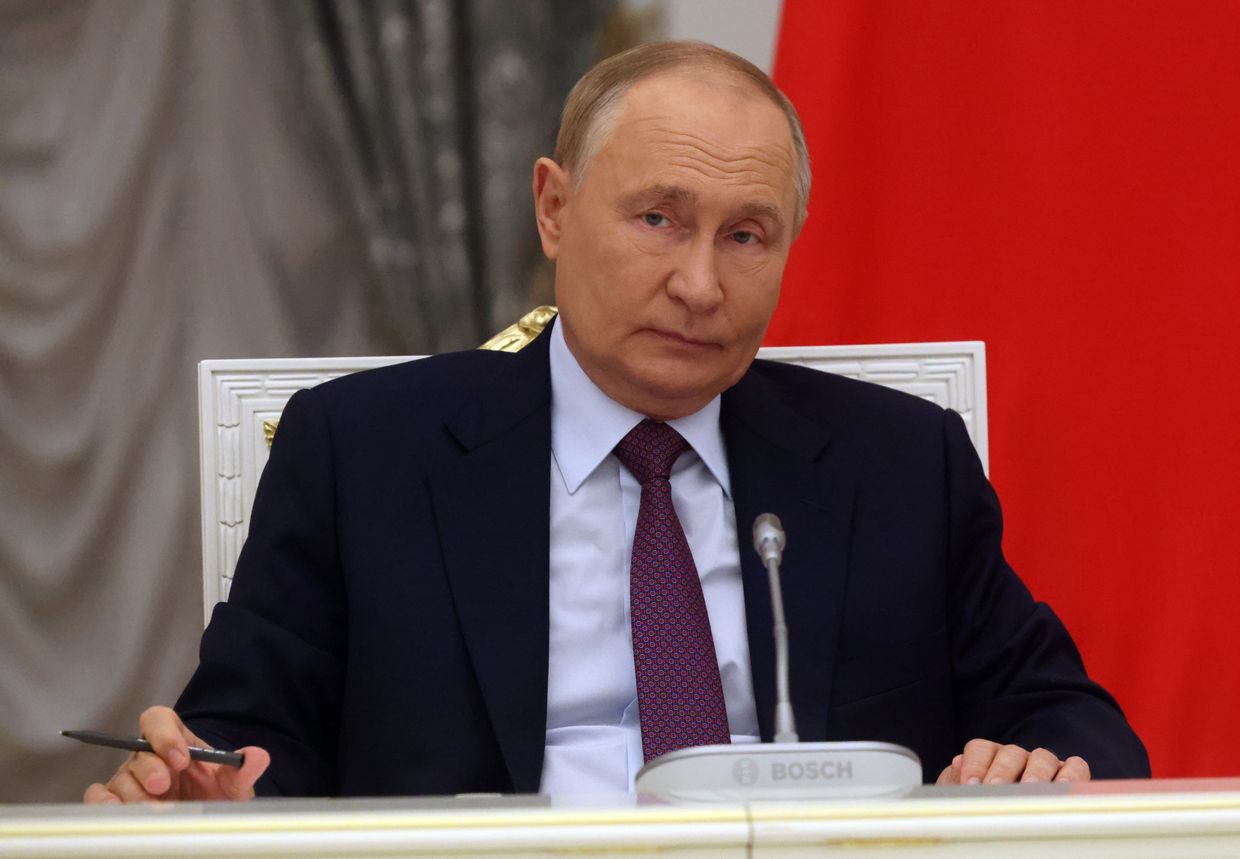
point(695, 279)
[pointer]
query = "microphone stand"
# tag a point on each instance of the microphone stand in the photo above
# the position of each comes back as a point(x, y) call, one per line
point(769, 540)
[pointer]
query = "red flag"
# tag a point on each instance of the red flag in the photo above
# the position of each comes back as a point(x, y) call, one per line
point(1061, 180)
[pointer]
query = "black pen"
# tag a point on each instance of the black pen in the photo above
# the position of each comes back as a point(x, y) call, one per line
point(211, 756)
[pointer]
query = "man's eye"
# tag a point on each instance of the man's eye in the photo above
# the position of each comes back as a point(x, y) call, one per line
point(654, 219)
point(744, 237)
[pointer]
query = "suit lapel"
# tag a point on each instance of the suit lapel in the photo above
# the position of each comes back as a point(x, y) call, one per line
point(782, 463)
point(492, 508)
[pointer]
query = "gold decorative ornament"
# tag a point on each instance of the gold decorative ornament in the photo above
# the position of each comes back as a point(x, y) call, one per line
point(516, 337)
point(269, 432)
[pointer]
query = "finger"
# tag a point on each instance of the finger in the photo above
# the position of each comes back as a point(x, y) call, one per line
point(978, 755)
point(239, 783)
point(1073, 769)
point(951, 772)
point(1007, 766)
point(168, 736)
point(124, 785)
point(1042, 766)
point(151, 772)
point(97, 794)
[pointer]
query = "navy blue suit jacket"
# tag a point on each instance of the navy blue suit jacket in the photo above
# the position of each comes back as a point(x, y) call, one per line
point(387, 629)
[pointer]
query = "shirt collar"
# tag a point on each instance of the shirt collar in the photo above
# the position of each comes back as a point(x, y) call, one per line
point(586, 424)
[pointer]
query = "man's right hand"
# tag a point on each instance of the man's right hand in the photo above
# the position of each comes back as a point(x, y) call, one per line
point(168, 773)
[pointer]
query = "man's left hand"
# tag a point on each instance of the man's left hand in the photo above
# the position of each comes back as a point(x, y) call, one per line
point(985, 762)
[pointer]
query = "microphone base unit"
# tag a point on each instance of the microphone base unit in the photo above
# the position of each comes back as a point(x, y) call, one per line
point(782, 771)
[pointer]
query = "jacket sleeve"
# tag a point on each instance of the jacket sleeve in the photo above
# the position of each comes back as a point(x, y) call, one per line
point(271, 667)
point(1019, 678)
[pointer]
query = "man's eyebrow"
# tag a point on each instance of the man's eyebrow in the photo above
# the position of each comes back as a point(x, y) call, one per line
point(763, 210)
point(657, 194)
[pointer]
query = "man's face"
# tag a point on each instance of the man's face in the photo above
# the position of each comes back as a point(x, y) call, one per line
point(670, 251)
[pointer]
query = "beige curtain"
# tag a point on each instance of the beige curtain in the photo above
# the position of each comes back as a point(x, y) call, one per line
point(162, 199)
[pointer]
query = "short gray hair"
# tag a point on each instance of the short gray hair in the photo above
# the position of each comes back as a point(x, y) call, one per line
point(592, 106)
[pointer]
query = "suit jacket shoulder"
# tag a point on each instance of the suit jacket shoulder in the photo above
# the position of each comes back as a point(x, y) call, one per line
point(847, 405)
point(426, 389)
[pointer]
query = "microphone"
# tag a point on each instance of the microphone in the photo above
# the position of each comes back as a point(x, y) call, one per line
point(769, 541)
point(785, 769)
point(769, 538)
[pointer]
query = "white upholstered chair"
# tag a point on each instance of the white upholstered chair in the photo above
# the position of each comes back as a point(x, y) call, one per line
point(239, 405)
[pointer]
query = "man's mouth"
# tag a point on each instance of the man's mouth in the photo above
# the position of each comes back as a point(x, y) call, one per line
point(680, 339)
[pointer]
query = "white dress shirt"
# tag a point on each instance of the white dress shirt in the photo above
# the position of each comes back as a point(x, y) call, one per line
point(593, 729)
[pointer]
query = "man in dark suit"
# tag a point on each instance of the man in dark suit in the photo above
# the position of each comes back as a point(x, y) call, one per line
point(417, 610)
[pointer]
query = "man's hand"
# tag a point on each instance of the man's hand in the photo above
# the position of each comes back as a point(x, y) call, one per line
point(168, 773)
point(984, 762)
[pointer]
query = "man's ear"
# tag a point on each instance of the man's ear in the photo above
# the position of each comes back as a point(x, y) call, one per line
point(551, 190)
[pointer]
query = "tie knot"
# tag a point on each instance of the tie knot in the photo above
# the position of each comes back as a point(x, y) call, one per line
point(650, 449)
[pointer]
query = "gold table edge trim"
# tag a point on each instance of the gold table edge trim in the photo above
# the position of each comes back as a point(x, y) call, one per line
point(385, 820)
point(389, 820)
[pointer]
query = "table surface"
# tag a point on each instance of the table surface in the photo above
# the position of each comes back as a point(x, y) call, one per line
point(1181, 818)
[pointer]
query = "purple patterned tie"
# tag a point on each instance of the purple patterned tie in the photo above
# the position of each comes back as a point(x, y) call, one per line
point(679, 694)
